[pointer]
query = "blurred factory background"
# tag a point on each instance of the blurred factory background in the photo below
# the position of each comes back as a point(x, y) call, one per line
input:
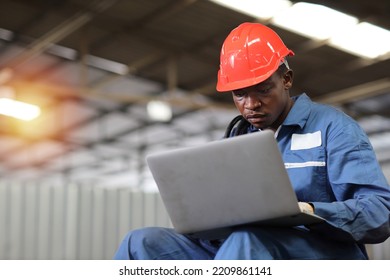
point(73, 180)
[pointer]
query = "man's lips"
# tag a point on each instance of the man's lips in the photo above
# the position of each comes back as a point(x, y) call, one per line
point(255, 117)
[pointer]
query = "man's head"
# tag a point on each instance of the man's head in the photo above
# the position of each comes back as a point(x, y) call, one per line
point(254, 68)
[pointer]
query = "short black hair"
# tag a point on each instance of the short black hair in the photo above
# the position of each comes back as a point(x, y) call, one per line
point(282, 69)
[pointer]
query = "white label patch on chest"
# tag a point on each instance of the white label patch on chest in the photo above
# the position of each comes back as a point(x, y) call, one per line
point(306, 141)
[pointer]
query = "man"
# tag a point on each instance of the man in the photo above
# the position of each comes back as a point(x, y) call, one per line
point(329, 159)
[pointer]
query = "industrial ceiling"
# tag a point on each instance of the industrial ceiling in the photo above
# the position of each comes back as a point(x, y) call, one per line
point(93, 66)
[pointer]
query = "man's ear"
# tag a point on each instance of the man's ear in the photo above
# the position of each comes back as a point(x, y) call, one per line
point(288, 79)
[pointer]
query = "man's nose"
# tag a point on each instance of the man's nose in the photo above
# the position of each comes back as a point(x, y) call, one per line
point(252, 102)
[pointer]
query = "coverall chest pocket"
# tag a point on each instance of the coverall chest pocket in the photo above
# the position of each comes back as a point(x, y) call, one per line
point(308, 173)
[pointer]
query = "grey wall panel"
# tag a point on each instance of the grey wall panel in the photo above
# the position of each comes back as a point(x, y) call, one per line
point(111, 217)
point(124, 218)
point(84, 226)
point(136, 213)
point(4, 220)
point(380, 251)
point(58, 224)
point(97, 236)
point(44, 219)
point(31, 213)
point(17, 221)
point(149, 209)
point(72, 215)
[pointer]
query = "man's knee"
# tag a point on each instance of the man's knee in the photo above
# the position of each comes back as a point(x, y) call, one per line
point(139, 242)
point(146, 237)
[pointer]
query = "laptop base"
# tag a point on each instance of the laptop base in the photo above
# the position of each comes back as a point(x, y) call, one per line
point(290, 221)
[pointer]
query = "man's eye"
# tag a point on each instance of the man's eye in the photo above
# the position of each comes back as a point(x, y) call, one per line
point(238, 94)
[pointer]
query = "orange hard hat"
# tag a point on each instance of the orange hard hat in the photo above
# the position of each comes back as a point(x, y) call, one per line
point(251, 53)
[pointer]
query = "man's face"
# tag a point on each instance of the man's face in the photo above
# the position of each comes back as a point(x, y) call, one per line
point(267, 104)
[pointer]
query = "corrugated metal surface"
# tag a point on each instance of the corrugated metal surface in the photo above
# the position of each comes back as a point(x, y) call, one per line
point(71, 222)
point(81, 222)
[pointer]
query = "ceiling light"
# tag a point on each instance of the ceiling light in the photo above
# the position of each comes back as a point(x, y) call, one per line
point(107, 65)
point(19, 110)
point(6, 34)
point(159, 111)
point(63, 52)
point(263, 9)
point(365, 39)
point(319, 22)
point(314, 21)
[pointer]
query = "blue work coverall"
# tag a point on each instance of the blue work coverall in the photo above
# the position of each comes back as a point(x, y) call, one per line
point(331, 165)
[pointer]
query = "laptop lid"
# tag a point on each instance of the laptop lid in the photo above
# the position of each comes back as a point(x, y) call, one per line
point(211, 188)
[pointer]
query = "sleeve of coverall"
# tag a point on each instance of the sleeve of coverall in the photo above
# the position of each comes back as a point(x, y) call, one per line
point(362, 209)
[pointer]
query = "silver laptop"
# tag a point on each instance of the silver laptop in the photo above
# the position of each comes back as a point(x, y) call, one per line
point(210, 189)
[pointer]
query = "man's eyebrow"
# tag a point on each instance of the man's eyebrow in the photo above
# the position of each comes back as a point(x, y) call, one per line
point(265, 83)
point(262, 84)
point(238, 91)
